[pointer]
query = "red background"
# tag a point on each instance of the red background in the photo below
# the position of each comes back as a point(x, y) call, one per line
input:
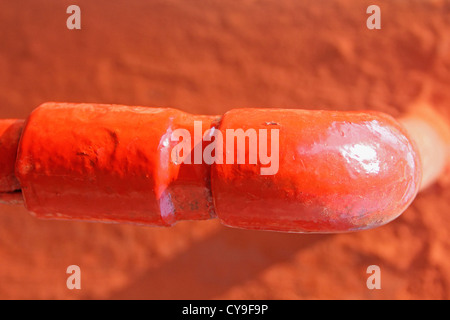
point(208, 57)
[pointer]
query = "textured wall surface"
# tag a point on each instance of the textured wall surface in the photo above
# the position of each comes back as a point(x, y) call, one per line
point(208, 57)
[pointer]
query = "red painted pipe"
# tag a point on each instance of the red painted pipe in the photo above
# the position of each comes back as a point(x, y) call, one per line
point(10, 131)
point(336, 171)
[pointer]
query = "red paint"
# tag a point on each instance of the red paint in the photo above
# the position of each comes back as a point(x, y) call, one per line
point(10, 130)
point(338, 171)
point(109, 163)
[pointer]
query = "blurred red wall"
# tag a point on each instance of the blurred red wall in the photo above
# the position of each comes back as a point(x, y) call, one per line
point(208, 57)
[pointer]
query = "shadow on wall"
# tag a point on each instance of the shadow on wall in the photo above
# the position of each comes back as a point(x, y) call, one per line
point(208, 268)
